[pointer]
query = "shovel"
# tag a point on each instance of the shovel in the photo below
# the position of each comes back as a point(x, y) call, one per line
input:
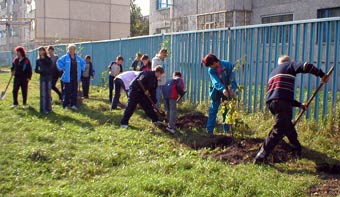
point(312, 97)
point(161, 114)
point(3, 93)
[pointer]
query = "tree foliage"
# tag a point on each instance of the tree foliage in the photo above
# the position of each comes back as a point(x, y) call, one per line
point(139, 25)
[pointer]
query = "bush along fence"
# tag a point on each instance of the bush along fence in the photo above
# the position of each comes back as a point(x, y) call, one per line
point(254, 49)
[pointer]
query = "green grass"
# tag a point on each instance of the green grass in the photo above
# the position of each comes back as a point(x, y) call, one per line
point(85, 153)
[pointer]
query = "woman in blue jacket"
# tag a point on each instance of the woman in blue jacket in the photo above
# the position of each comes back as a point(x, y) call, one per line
point(72, 65)
point(223, 85)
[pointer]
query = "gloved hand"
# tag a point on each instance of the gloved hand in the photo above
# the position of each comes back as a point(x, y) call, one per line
point(304, 106)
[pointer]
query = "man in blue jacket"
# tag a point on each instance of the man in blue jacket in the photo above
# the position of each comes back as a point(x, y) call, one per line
point(223, 85)
point(72, 65)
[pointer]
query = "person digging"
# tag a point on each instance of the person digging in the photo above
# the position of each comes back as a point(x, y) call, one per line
point(138, 94)
point(280, 101)
point(222, 76)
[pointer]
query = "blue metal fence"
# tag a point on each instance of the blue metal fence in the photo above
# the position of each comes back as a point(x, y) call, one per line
point(316, 41)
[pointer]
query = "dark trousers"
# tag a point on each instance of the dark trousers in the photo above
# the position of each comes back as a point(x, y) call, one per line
point(111, 87)
point(135, 98)
point(45, 95)
point(85, 81)
point(70, 93)
point(55, 89)
point(283, 126)
point(23, 84)
point(119, 84)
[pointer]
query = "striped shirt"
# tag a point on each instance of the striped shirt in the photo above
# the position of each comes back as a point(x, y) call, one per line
point(282, 80)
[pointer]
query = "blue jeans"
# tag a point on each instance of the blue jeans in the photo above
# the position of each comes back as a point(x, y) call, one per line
point(171, 108)
point(213, 110)
point(159, 95)
point(45, 95)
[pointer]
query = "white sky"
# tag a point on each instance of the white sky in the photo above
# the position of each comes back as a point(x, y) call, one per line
point(144, 5)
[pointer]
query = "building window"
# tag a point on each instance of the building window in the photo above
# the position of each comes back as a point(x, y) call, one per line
point(162, 4)
point(277, 31)
point(326, 13)
point(277, 18)
point(329, 12)
point(212, 21)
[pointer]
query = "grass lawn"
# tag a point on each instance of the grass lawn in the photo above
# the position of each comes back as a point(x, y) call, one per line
point(86, 153)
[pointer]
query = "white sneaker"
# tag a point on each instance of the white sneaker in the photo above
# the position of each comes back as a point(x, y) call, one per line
point(25, 106)
point(124, 126)
point(171, 130)
point(74, 107)
point(14, 106)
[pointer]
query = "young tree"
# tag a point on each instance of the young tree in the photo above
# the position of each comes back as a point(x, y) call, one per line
point(139, 26)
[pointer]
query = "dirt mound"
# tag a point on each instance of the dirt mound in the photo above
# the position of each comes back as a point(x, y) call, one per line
point(192, 120)
point(330, 187)
point(328, 168)
point(244, 151)
point(218, 141)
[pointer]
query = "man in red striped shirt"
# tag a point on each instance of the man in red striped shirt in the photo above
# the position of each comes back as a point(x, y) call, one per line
point(280, 101)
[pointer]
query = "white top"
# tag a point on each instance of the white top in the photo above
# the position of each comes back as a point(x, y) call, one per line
point(127, 77)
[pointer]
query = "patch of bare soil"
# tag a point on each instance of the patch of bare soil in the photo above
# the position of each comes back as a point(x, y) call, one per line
point(244, 151)
point(329, 187)
point(192, 120)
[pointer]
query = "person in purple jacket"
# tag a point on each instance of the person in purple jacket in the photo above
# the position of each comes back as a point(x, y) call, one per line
point(280, 101)
point(171, 92)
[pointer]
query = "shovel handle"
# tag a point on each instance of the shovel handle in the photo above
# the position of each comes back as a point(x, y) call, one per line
point(312, 97)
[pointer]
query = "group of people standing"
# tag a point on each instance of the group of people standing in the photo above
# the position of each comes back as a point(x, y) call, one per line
point(71, 68)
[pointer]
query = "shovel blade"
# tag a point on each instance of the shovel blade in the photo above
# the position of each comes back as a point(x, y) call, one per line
point(2, 96)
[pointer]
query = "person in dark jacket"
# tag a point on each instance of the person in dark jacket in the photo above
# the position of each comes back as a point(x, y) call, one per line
point(171, 92)
point(280, 101)
point(56, 74)
point(114, 69)
point(22, 71)
point(86, 77)
point(146, 80)
point(44, 67)
point(146, 63)
point(137, 63)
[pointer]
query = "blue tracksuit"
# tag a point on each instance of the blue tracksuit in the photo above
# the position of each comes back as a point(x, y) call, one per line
point(220, 78)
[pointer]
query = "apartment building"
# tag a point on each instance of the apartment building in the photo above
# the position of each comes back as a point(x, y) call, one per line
point(187, 15)
point(40, 22)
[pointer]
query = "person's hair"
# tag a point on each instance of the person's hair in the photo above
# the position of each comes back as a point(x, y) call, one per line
point(159, 69)
point(163, 50)
point(45, 52)
point(209, 60)
point(120, 58)
point(177, 74)
point(283, 59)
point(71, 46)
point(21, 50)
point(50, 48)
point(138, 55)
point(87, 57)
point(145, 57)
